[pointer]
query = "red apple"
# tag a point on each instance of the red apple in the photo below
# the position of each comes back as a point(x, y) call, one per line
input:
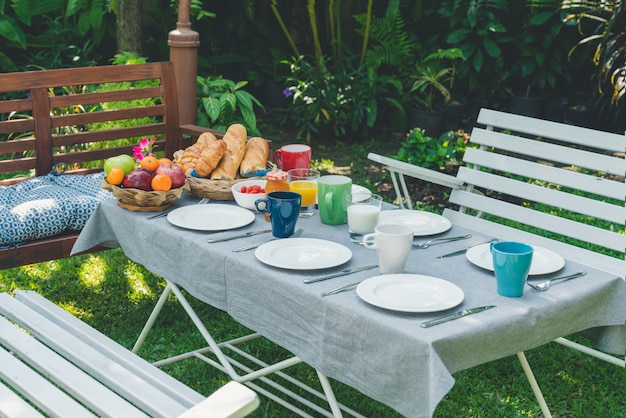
point(174, 172)
point(139, 178)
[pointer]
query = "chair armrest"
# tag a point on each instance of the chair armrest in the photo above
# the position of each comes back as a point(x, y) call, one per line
point(233, 400)
point(418, 172)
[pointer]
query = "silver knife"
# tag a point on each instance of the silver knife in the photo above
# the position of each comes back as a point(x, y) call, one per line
point(457, 315)
point(463, 251)
point(249, 247)
point(246, 234)
point(338, 274)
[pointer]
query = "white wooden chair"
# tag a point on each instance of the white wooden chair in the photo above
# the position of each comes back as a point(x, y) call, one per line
point(576, 173)
point(53, 364)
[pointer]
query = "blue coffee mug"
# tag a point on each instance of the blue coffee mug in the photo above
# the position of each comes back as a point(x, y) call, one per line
point(284, 209)
point(511, 264)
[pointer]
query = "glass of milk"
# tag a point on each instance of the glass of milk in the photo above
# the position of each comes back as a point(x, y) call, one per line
point(363, 211)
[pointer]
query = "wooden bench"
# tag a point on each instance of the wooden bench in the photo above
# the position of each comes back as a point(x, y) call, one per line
point(53, 364)
point(76, 116)
point(552, 185)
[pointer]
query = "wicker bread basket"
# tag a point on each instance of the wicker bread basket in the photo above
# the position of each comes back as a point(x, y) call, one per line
point(214, 189)
point(218, 189)
point(143, 201)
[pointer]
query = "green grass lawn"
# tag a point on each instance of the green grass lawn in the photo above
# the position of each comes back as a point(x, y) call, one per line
point(116, 295)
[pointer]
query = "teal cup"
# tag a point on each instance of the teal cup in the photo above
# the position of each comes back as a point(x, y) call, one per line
point(331, 198)
point(511, 264)
point(284, 209)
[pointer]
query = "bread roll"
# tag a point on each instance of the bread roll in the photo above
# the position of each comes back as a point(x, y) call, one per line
point(255, 159)
point(204, 155)
point(235, 139)
point(207, 138)
point(210, 157)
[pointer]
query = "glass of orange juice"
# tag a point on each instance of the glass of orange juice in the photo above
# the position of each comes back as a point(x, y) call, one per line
point(304, 182)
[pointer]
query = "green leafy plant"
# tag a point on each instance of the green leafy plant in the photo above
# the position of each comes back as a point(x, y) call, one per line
point(338, 101)
point(432, 153)
point(541, 59)
point(477, 28)
point(434, 78)
point(603, 24)
point(50, 33)
point(224, 102)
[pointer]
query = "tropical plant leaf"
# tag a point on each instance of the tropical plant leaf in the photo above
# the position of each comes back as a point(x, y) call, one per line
point(11, 31)
point(212, 107)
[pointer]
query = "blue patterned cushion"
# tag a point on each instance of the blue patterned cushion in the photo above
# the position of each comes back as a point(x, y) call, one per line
point(48, 205)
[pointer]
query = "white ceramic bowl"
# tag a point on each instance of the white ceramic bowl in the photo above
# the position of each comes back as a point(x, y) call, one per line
point(246, 200)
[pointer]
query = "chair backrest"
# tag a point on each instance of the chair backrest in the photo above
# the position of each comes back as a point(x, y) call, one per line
point(78, 115)
point(547, 183)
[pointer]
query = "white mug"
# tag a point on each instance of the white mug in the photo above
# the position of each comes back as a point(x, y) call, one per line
point(393, 244)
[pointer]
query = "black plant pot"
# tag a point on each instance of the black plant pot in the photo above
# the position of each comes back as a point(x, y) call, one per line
point(581, 115)
point(475, 104)
point(453, 114)
point(431, 121)
point(527, 106)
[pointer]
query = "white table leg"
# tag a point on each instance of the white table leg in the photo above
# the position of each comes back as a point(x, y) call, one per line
point(534, 385)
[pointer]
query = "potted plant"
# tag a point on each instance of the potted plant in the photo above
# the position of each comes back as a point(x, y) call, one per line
point(541, 59)
point(603, 26)
point(431, 89)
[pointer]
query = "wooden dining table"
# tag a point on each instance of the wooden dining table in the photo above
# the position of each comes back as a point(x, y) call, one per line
point(381, 351)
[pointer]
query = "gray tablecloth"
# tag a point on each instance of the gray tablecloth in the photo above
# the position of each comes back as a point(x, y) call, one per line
point(384, 354)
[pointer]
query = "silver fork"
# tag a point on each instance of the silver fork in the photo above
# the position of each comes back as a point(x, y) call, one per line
point(427, 244)
point(542, 287)
point(165, 212)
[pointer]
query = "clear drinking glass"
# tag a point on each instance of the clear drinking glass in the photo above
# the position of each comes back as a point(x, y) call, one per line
point(363, 211)
point(304, 182)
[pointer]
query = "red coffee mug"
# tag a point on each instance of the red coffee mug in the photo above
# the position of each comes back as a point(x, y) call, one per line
point(293, 156)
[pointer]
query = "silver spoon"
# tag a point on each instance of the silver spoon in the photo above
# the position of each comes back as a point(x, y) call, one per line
point(542, 287)
point(427, 244)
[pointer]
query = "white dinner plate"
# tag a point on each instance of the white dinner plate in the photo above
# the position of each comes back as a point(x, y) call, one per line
point(544, 261)
point(303, 253)
point(210, 217)
point(410, 293)
point(423, 223)
point(360, 189)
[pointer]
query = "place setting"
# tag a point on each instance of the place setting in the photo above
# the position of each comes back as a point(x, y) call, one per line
point(514, 262)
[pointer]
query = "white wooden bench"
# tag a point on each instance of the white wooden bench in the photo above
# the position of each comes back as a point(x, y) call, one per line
point(53, 364)
point(549, 184)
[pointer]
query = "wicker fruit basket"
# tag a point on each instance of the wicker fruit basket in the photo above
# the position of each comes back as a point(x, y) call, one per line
point(143, 201)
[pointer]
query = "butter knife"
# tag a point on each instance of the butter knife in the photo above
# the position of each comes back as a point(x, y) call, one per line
point(247, 234)
point(463, 251)
point(338, 274)
point(250, 247)
point(453, 316)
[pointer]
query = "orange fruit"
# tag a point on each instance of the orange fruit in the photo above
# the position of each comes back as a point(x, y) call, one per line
point(161, 182)
point(149, 162)
point(115, 176)
point(164, 160)
point(181, 166)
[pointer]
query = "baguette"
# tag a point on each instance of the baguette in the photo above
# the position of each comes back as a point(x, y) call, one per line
point(255, 159)
point(235, 139)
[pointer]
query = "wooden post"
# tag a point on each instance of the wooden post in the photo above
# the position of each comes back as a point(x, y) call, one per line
point(183, 43)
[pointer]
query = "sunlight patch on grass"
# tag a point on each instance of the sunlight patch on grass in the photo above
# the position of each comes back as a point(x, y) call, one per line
point(92, 272)
point(139, 288)
point(42, 270)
